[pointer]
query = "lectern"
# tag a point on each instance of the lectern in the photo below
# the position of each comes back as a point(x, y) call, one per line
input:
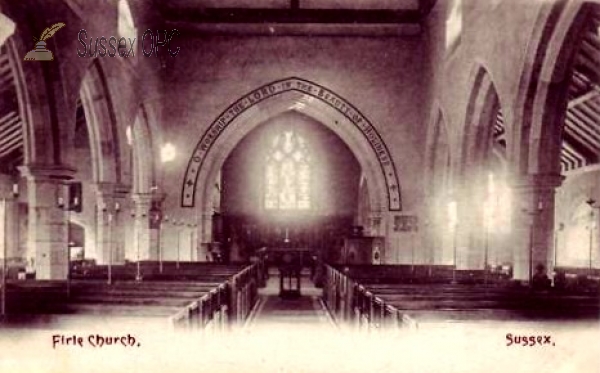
point(290, 268)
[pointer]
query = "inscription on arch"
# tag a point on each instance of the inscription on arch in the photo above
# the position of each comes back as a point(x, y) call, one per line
point(273, 89)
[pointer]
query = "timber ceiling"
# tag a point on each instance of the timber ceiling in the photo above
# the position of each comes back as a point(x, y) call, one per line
point(581, 135)
point(313, 17)
point(11, 124)
point(581, 132)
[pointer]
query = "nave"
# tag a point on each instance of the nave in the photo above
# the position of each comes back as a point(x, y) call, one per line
point(435, 162)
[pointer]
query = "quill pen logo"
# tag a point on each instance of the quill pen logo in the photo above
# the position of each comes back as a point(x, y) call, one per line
point(40, 53)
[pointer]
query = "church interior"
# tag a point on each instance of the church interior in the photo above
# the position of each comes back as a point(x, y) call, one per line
point(373, 167)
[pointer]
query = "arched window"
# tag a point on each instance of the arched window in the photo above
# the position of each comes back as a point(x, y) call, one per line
point(126, 25)
point(7, 28)
point(454, 24)
point(580, 241)
point(287, 173)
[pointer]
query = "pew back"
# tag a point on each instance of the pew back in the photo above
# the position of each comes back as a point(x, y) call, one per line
point(192, 296)
point(365, 300)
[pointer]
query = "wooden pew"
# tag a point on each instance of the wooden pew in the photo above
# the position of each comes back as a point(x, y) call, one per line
point(200, 297)
point(171, 271)
point(471, 303)
point(403, 273)
point(576, 279)
point(378, 304)
point(122, 299)
point(243, 279)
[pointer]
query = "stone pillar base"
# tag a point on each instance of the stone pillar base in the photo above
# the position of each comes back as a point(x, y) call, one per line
point(47, 230)
point(533, 230)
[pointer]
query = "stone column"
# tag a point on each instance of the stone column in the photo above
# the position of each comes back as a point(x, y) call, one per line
point(533, 224)
point(146, 236)
point(204, 238)
point(470, 227)
point(195, 248)
point(47, 230)
point(111, 223)
point(434, 231)
point(122, 222)
point(9, 223)
point(437, 231)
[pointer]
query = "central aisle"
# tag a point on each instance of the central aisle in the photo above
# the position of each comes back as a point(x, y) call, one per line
point(307, 311)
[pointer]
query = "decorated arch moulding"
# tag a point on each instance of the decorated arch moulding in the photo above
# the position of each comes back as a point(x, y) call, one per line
point(308, 95)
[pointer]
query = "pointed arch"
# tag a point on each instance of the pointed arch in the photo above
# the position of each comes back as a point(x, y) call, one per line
point(542, 99)
point(125, 22)
point(472, 171)
point(317, 101)
point(143, 154)
point(45, 108)
point(438, 180)
point(102, 125)
point(438, 148)
point(480, 120)
point(7, 28)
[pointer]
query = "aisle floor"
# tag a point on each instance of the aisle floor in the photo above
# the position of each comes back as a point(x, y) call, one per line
point(305, 311)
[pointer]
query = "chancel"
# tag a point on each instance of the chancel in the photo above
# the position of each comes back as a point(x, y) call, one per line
point(360, 165)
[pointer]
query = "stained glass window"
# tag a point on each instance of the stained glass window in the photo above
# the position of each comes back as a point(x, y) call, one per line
point(287, 173)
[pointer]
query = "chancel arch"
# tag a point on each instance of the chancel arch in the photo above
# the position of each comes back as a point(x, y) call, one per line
point(356, 125)
point(294, 100)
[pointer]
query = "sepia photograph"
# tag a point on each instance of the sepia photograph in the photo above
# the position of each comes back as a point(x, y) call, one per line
point(300, 186)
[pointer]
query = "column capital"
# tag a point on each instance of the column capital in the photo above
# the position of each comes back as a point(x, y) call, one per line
point(115, 190)
point(148, 197)
point(34, 171)
point(206, 214)
point(112, 191)
point(142, 197)
point(537, 181)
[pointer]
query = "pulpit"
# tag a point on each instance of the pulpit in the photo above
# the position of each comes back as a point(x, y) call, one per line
point(362, 250)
